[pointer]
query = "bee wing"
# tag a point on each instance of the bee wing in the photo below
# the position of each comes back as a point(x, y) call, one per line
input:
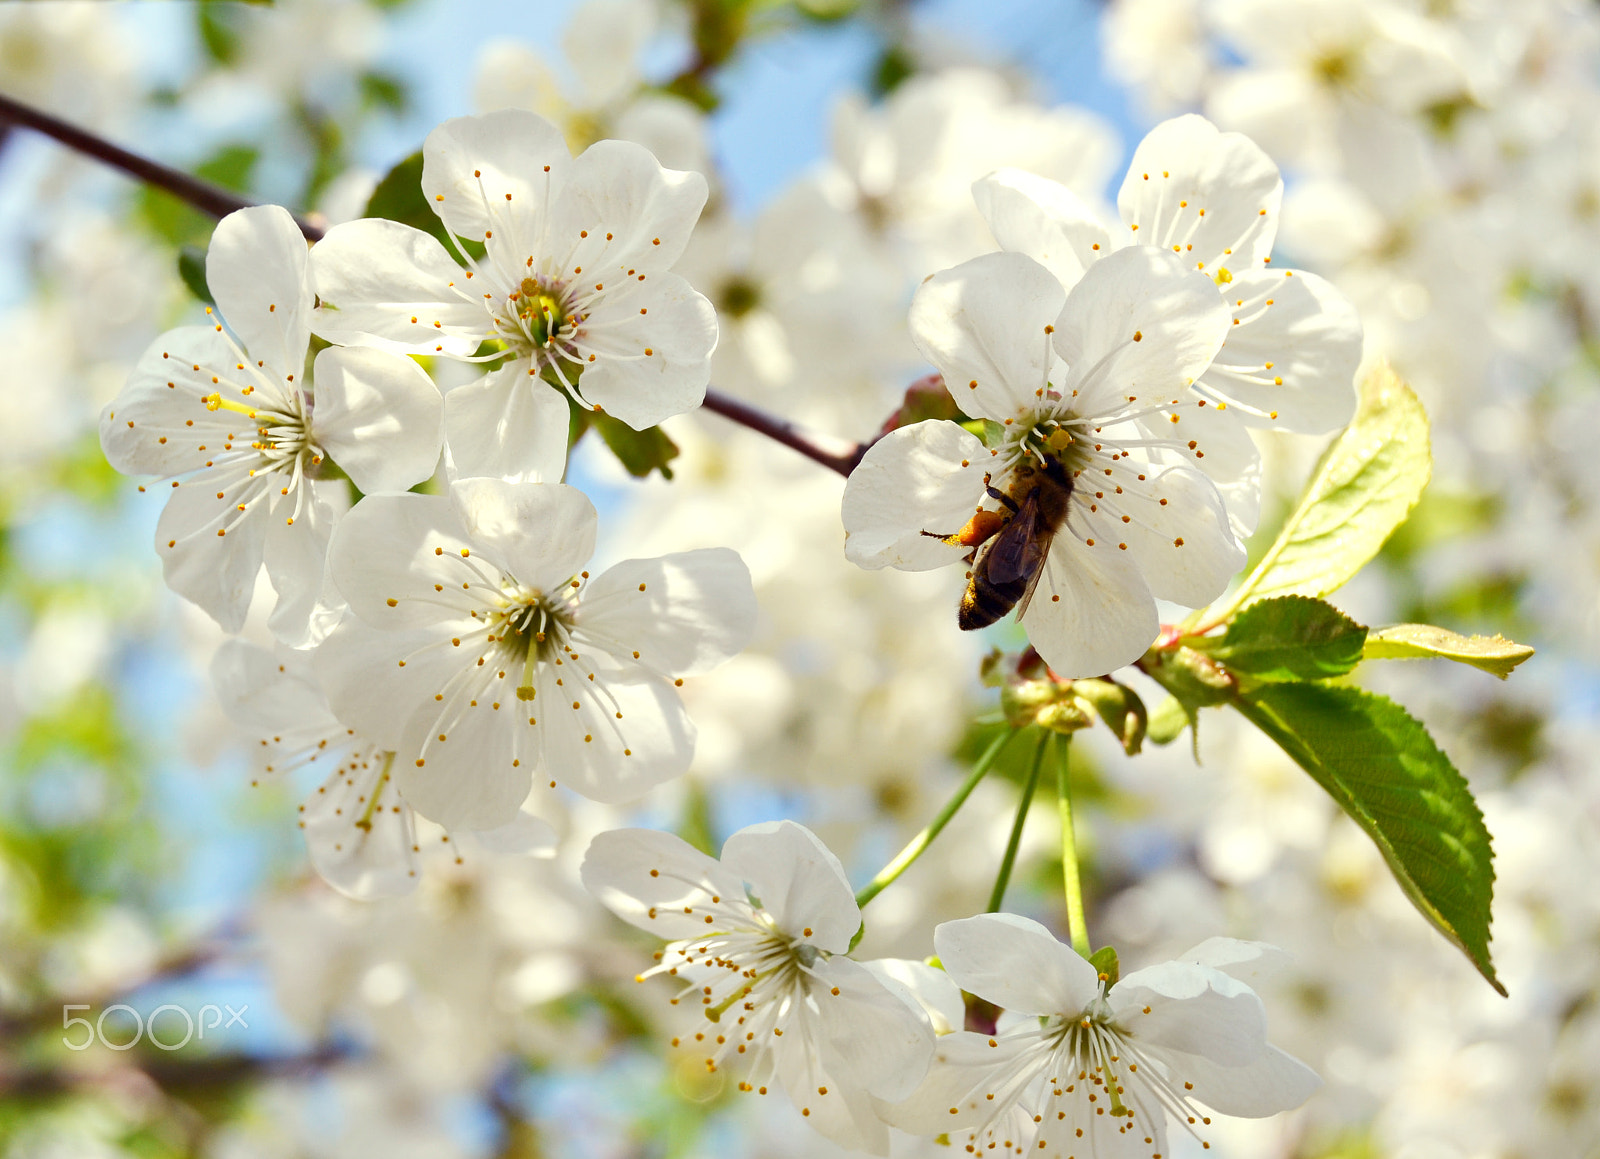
point(1042, 543)
point(1014, 554)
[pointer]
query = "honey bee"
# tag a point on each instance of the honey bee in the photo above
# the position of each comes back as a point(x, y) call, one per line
point(1011, 545)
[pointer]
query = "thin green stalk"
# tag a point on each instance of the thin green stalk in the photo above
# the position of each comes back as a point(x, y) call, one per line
point(1010, 859)
point(1076, 926)
point(921, 841)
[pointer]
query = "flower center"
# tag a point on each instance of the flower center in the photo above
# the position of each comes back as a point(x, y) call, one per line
point(535, 320)
point(531, 629)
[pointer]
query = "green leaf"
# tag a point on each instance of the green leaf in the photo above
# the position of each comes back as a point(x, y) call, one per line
point(1494, 654)
point(399, 197)
point(192, 269)
point(640, 451)
point(1104, 960)
point(1383, 769)
point(1287, 638)
point(1363, 488)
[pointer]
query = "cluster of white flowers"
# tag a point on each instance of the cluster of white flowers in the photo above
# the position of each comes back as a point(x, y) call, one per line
point(1440, 175)
point(859, 1047)
point(1115, 382)
point(449, 660)
point(447, 680)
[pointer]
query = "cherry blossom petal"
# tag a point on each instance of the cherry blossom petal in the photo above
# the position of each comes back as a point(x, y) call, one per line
point(626, 735)
point(1194, 1010)
point(958, 1076)
point(831, 1104)
point(651, 343)
point(378, 414)
point(1184, 546)
point(360, 834)
point(1291, 360)
point(620, 213)
point(265, 692)
point(798, 880)
point(368, 688)
point(389, 552)
point(475, 764)
point(680, 614)
point(523, 836)
point(1249, 962)
point(1209, 197)
point(544, 532)
point(1043, 219)
point(211, 551)
point(1092, 611)
point(647, 878)
point(1276, 1081)
point(923, 986)
point(158, 424)
point(296, 555)
point(257, 269)
point(1015, 963)
point(883, 1041)
point(500, 171)
point(1226, 453)
point(927, 477)
point(392, 286)
point(507, 425)
point(985, 324)
point(1138, 324)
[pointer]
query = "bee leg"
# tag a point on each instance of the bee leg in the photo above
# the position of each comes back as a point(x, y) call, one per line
point(999, 496)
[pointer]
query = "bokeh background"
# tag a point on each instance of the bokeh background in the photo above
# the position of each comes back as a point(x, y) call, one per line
point(1443, 168)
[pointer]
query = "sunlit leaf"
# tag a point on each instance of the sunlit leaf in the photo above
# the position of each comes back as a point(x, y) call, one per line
point(1363, 489)
point(1287, 638)
point(1494, 654)
point(1383, 769)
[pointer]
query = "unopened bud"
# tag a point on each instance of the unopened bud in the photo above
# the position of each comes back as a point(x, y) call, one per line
point(1119, 706)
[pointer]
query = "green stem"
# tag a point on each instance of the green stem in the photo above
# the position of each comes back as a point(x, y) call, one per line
point(1010, 859)
point(1076, 926)
point(921, 841)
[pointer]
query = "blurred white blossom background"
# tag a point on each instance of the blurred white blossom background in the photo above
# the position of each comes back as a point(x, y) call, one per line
point(1442, 168)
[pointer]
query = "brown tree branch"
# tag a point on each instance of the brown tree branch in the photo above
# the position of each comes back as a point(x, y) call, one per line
point(204, 196)
point(838, 455)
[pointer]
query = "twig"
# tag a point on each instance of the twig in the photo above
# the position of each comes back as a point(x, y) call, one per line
point(835, 454)
point(203, 195)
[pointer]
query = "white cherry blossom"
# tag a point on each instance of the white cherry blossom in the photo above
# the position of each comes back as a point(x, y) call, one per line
point(479, 648)
point(229, 418)
point(362, 835)
point(1064, 382)
point(760, 939)
point(1211, 199)
point(1082, 1068)
point(573, 291)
